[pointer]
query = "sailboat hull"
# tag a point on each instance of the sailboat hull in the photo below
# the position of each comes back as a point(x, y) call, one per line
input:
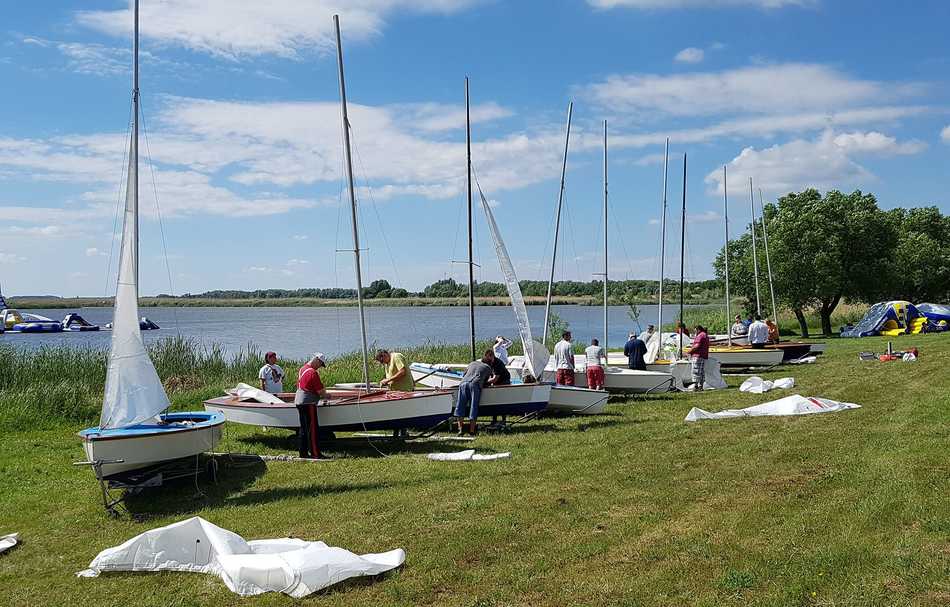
point(123, 450)
point(573, 400)
point(391, 410)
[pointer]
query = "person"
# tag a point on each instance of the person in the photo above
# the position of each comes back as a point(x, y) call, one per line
point(739, 328)
point(758, 333)
point(476, 376)
point(271, 375)
point(398, 376)
point(773, 330)
point(634, 350)
point(500, 349)
point(595, 370)
point(500, 375)
point(309, 392)
point(564, 360)
point(698, 354)
point(646, 335)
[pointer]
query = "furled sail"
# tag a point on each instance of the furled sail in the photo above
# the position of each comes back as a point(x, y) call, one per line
point(134, 393)
point(536, 355)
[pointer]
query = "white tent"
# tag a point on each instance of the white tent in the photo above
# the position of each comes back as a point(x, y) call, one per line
point(294, 567)
point(790, 405)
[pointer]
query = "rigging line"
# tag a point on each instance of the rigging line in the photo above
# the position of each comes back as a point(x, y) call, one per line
point(158, 208)
point(336, 276)
point(570, 231)
point(118, 201)
point(621, 233)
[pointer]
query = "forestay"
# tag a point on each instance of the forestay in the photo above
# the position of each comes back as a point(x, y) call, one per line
point(133, 392)
point(536, 354)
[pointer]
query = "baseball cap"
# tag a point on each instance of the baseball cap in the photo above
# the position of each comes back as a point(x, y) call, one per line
point(322, 357)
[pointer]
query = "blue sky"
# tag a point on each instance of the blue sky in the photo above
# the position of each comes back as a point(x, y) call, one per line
point(241, 107)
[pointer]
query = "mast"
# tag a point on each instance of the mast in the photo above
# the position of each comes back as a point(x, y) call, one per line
point(557, 225)
point(659, 305)
point(135, 148)
point(682, 257)
point(471, 259)
point(725, 207)
point(349, 180)
point(768, 263)
point(755, 257)
point(605, 236)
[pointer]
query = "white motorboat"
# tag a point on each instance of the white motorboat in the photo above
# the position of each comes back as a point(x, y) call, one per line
point(346, 410)
point(133, 433)
point(616, 378)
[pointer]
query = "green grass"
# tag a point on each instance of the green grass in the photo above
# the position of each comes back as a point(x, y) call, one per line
point(630, 508)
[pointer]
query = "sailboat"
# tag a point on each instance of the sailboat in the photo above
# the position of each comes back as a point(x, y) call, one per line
point(348, 408)
point(133, 433)
point(496, 401)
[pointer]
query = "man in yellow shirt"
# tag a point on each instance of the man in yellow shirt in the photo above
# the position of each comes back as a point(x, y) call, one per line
point(398, 376)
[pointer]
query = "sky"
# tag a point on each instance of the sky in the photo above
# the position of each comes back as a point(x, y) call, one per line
point(242, 182)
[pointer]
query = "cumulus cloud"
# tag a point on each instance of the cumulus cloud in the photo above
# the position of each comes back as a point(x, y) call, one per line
point(824, 163)
point(710, 4)
point(758, 89)
point(235, 30)
point(945, 134)
point(690, 55)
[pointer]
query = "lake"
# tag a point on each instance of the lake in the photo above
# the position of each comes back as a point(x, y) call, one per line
point(298, 332)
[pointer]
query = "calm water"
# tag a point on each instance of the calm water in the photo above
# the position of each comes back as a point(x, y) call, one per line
point(298, 332)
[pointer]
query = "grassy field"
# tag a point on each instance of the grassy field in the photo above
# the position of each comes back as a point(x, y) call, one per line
point(631, 508)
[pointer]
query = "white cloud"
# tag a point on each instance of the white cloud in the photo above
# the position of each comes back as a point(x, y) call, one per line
point(671, 4)
point(258, 269)
point(233, 30)
point(690, 55)
point(704, 217)
point(44, 231)
point(434, 117)
point(649, 160)
point(824, 163)
point(11, 258)
point(759, 89)
point(96, 59)
point(945, 134)
point(300, 237)
point(94, 252)
point(297, 262)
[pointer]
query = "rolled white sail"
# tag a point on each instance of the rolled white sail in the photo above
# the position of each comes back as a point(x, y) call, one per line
point(134, 393)
point(536, 355)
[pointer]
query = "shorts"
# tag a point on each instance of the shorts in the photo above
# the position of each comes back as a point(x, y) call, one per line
point(564, 377)
point(595, 376)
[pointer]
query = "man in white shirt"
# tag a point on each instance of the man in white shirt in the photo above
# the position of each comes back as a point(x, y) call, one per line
point(500, 348)
point(595, 370)
point(564, 360)
point(271, 375)
point(758, 333)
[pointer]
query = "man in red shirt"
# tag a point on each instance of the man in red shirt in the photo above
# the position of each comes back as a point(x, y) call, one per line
point(309, 392)
point(699, 353)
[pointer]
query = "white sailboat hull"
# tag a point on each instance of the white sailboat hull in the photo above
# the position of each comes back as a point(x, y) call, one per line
point(577, 401)
point(380, 411)
point(119, 452)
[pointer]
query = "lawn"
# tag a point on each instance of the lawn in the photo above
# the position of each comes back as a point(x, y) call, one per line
point(630, 508)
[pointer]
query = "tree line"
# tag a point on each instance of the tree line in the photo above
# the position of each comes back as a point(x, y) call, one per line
point(825, 249)
point(618, 291)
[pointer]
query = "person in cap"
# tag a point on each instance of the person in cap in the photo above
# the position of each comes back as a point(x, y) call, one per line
point(500, 349)
point(635, 349)
point(398, 376)
point(271, 375)
point(309, 392)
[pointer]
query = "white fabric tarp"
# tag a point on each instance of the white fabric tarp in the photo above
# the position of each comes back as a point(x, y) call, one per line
point(247, 393)
point(133, 393)
point(653, 348)
point(757, 385)
point(803, 361)
point(468, 455)
point(790, 405)
point(536, 354)
point(8, 541)
point(294, 567)
point(712, 379)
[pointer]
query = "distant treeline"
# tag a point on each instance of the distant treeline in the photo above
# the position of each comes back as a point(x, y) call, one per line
point(619, 291)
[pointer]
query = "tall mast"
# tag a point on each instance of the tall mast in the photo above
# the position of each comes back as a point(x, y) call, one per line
point(659, 305)
point(725, 207)
point(471, 258)
point(605, 235)
point(768, 263)
point(682, 256)
point(135, 148)
point(349, 180)
point(557, 225)
point(755, 257)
